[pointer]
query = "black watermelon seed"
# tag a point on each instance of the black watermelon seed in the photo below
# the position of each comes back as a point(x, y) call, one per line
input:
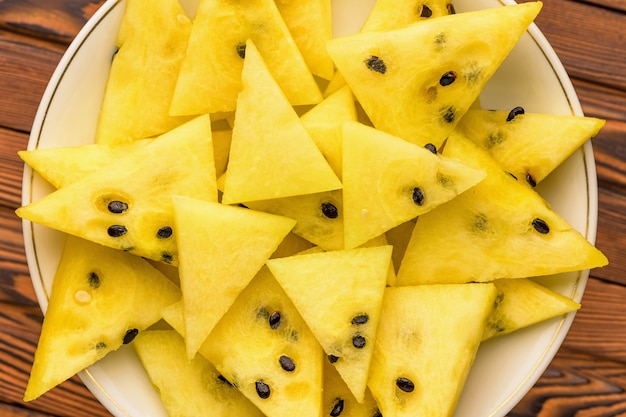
point(418, 196)
point(241, 50)
point(117, 207)
point(512, 175)
point(431, 148)
point(333, 358)
point(541, 226)
point(337, 408)
point(360, 319)
point(130, 336)
point(274, 320)
point(531, 180)
point(426, 12)
point(451, 9)
point(94, 280)
point(262, 389)
point(164, 232)
point(378, 414)
point(358, 341)
point(447, 78)
point(224, 380)
point(405, 384)
point(287, 363)
point(167, 257)
point(448, 114)
point(514, 113)
point(376, 64)
point(329, 210)
point(117, 230)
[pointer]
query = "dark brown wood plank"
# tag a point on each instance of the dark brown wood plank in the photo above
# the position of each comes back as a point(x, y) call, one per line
point(576, 29)
point(19, 332)
point(601, 101)
point(611, 237)
point(21, 83)
point(600, 325)
point(619, 5)
point(15, 282)
point(577, 384)
point(58, 21)
point(11, 167)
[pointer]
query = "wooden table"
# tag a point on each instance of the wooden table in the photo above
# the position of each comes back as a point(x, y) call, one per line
point(588, 375)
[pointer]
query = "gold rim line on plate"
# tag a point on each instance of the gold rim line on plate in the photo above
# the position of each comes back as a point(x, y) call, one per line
point(533, 32)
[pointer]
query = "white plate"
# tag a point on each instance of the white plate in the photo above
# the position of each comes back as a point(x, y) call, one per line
point(532, 76)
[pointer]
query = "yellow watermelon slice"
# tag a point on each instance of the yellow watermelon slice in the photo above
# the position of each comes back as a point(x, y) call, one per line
point(210, 76)
point(528, 145)
point(395, 14)
point(310, 25)
point(136, 100)
point(523, 302)
point(501, 228)
point(339, 401)
point(101, 298)
point(263, 347)
point(62, 166)
point(127, 204)
point(212, 274)
point(188, 387)
point(417, 82)
point(388, 181)
point(271, 153)
point(339, 295)
point(427, 341)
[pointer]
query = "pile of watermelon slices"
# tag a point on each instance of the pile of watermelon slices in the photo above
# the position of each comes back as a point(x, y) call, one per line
point(285, 223)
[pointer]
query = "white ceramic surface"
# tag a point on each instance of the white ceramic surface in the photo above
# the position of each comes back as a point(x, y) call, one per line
point(532, 76)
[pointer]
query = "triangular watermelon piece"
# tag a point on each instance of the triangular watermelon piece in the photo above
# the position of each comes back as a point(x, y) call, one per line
point(501, 228)
point(188, 387)
point(271, 153)
point(319, 216)
point(212, 274)
point(127, 204)
point(210, 76)
point(395, 14)
point(528, 145)
point(427, 341)
point(143, 73)
point(310, 25)
point(388, 181)
point(64, 165)
point(339, 294)
point(523, 302)
point(417, 82)
point(263, 347)
point(101, 298)
point(323, 122)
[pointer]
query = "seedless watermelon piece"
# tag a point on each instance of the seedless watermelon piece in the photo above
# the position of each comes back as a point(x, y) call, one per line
point(339, 295)
point(501, 228)
point(271, 153)
point(417, 82)
point(188, 388)
point(221, 249)
point(101, 298)
point(127, 204)
point(427, 341)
